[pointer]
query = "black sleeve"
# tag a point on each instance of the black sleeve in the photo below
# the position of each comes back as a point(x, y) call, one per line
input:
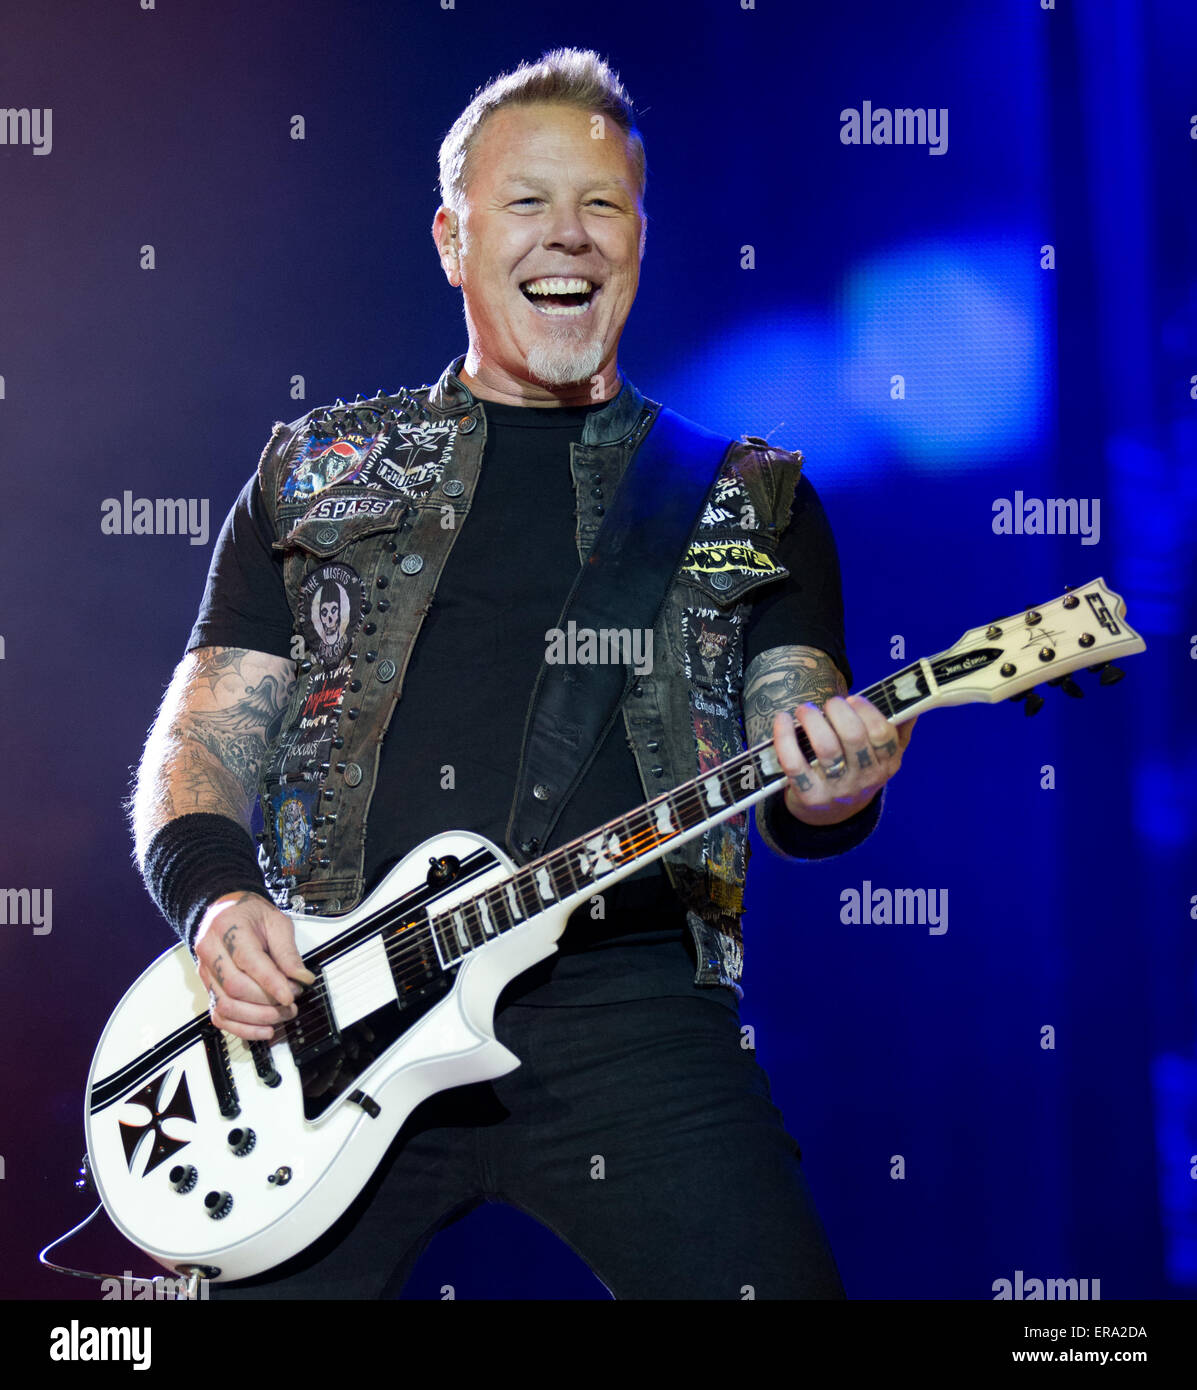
point(807, 608)
point(245, 600)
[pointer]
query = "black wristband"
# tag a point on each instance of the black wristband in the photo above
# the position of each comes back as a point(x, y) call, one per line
point(797, 840)
point(194, 860)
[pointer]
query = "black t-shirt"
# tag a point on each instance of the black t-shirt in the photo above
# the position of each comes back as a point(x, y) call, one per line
point(470, 678)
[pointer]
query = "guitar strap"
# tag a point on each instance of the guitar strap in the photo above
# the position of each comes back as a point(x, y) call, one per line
point(644, 535)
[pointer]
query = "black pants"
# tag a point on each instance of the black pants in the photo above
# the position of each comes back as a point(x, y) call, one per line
point(641, 1133)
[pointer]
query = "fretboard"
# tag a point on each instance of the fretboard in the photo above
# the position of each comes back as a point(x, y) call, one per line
point(576, 871)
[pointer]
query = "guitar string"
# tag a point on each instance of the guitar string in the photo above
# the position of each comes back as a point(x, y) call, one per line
point(686, 798)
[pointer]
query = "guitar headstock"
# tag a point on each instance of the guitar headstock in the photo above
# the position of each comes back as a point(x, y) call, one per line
point(1085, 628)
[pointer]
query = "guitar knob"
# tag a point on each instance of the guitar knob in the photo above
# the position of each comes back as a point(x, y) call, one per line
point(1110, 675)
point(219, 1204)
point(183, 1177)
point(241, 1141)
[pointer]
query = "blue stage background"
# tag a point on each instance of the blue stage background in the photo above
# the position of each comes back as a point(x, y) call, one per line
point(1033, 288)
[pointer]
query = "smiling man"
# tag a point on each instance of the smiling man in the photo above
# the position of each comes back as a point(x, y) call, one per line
point(465, 524)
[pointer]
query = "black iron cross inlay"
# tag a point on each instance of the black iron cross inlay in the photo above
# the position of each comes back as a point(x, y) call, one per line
point(178, 1109)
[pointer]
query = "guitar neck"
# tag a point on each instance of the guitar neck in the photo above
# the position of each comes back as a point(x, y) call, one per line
point(999, 661)
point(627, 843)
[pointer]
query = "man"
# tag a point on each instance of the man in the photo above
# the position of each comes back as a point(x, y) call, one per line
point(453, 528)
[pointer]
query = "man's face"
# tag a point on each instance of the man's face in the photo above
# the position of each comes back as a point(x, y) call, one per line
point(548, 246)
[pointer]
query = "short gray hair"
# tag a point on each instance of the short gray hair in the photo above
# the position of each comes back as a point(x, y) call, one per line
point(569, 76)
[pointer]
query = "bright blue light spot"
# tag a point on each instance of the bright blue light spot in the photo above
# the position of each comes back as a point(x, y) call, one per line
point(963, 323)
point(963, 326)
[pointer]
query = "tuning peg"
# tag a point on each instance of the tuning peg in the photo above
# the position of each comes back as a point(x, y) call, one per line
point(1068, 686)
point(1110, 675)
point(1034, 701)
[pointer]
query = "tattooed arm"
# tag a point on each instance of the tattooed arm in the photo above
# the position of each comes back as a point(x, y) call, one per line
point(223, 708)
point(856, 749)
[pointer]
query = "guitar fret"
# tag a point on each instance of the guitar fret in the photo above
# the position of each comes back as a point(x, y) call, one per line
point(526, 893)
point(544, 884)
point(562, 875)
point(444, 939)
point(460, 930)
point(499, 910)
point(513, 902)
point(664, 822)
point(483, 906)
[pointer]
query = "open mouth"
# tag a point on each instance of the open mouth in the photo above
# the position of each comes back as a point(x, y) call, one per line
point(560, 295)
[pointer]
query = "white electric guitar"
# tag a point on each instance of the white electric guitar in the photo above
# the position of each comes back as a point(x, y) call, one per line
point(221, 1157)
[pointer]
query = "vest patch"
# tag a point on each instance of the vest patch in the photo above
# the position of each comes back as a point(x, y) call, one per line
point(338, 508)
point(710, 645)
point(331, 599)
point(291, 814)
point(325, 459)
point(307, 744)
point(712, 655)
point(415, 456)
point(711, 557)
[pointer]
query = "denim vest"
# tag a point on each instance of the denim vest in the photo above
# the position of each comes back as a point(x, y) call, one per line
point(367, 500)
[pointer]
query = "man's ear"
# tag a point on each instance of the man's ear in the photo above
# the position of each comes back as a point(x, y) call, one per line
point(445, 234)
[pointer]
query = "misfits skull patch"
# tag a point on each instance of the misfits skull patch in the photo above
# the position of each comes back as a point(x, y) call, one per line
point(331, 611)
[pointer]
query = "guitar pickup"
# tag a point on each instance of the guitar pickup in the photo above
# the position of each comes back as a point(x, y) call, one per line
point(311, 1037)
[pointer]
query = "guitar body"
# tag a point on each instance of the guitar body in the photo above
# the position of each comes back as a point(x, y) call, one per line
point(186, 1182)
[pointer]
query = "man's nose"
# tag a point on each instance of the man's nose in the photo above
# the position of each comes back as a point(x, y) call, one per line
point(565, 230)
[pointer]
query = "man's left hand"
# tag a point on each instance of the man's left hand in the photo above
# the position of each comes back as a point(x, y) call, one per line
point(857, 751)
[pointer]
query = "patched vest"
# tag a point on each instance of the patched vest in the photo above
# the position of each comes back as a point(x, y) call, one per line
point(367, 500)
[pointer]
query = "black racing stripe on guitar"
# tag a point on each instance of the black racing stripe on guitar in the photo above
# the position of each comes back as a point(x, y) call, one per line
point(113, 1087)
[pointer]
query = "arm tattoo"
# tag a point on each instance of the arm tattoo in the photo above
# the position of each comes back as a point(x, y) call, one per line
point(224, 708)
point(782, 679)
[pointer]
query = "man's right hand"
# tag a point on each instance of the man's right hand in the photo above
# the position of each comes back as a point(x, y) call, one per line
point(247, 957)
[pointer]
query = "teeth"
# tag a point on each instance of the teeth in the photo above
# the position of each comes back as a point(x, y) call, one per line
point(558, 284)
